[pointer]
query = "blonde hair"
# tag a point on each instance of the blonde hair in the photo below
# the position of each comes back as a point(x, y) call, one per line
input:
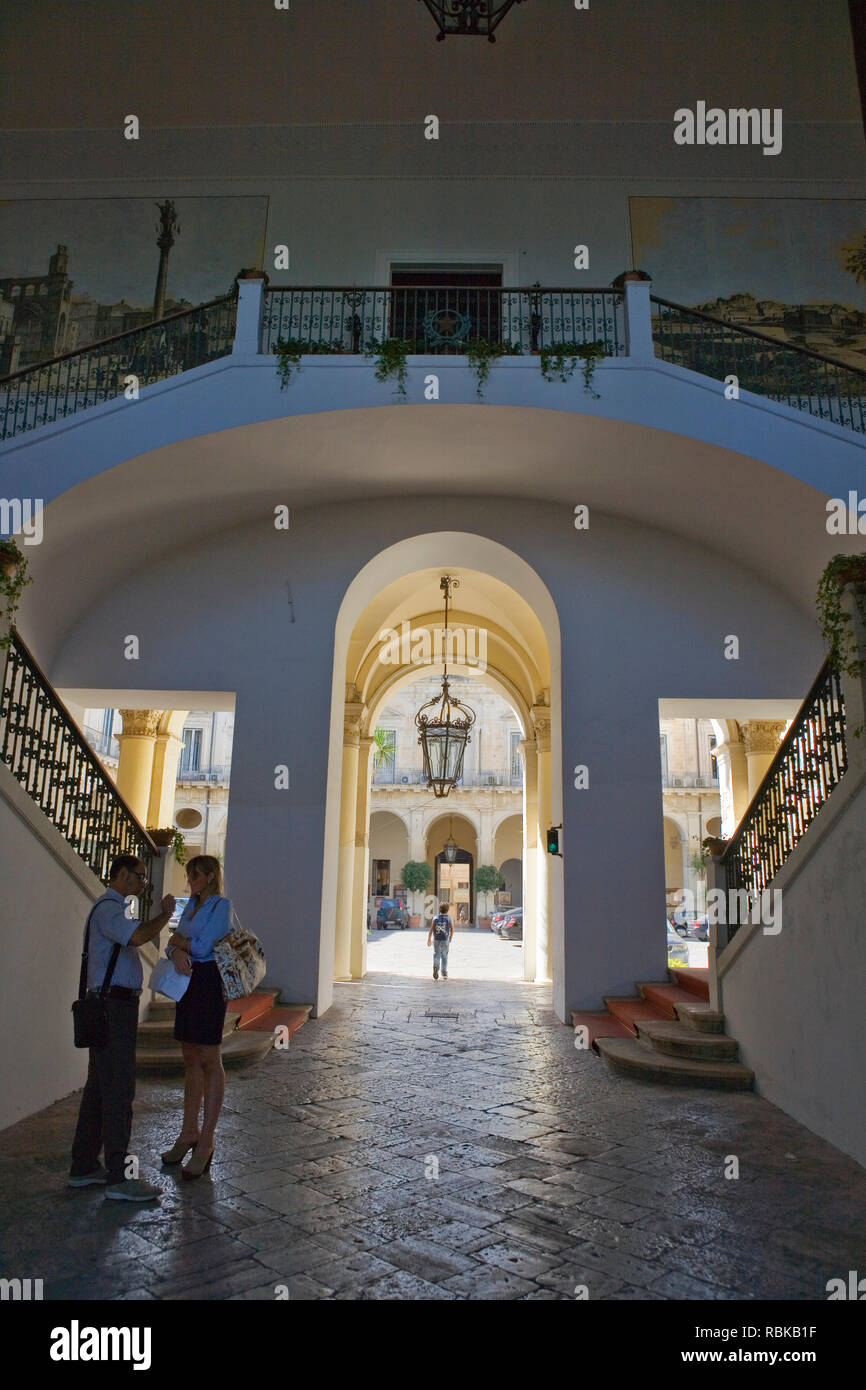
point(210, 867)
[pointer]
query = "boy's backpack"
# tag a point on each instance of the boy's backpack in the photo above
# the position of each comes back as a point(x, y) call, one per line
point(441, 928)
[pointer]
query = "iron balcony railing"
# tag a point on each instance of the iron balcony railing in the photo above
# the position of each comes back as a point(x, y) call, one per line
point(810, 761)
point(101, 742)
point(44, 750)
point(49, 391)
point(782, 372)
point(204, 774)
point(442, 318)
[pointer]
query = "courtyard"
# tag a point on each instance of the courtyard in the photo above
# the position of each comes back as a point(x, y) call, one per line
point(444, 1141)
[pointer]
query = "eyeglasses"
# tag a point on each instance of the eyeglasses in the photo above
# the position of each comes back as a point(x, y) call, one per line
point(142, 878)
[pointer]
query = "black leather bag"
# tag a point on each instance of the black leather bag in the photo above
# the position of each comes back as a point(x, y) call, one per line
point(90, 1016)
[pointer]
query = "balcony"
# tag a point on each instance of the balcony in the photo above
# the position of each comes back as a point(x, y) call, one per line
point(472, 779)
point(683, 781)
point(219, 774)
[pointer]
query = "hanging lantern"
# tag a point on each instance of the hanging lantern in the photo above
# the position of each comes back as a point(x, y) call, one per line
point(479, 18)
point(450, 847)
point(443, 725)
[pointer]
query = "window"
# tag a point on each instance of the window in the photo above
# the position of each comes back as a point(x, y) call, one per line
point(190, 758)
point(386, 770)
point(664, 755)
point(714, 762)
point(516, 769)
point(381, 878)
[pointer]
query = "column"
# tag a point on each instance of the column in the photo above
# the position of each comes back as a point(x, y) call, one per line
point(135, 764)
point(168, 746)
point(353, 716)
point(530, 854)
point(543, 956)
point(761, 741)
point(733, 783)
point(358, 929)
point(854, 685)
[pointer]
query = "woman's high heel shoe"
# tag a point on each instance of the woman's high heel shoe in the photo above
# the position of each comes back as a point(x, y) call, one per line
point(197, 1166)
point(179, 1152)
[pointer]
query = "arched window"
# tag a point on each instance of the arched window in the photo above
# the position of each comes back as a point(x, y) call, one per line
point(30, 290)
point(15, 292)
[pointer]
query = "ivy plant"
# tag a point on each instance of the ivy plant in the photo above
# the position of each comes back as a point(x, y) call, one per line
point(558, 361)
point(836, 626)
point(482, 354)
point(289, 351)
point(390, 358)
point(13, 580)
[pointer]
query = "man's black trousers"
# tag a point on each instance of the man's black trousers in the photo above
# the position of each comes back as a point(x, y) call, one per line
point(105, 1117)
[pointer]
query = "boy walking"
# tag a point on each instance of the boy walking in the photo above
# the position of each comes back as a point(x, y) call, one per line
point(440, 933)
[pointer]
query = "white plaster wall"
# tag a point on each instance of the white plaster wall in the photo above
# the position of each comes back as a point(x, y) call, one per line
point(44, 910)
point(794, 1001)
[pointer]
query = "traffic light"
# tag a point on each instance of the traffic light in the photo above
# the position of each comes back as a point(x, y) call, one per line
point(553, 839)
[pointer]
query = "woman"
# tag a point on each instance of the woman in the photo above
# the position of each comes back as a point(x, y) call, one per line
point(200, 1014)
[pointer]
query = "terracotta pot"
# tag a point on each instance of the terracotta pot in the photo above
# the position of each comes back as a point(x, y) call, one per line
point(161, 838)
point(415, 919)
point(714, 844)
point(855, 574)
point(483, 923)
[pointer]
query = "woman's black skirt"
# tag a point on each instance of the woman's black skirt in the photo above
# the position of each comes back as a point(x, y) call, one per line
point(200, 1015)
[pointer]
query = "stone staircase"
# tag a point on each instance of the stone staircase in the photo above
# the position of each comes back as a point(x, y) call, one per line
point(668, 1032)
point(248, 1033)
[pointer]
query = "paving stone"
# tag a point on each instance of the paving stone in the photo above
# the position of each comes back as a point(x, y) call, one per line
point(543, 1155)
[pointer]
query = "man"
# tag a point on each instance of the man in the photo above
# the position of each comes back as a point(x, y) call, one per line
point(440, 933)
point(105, 1116)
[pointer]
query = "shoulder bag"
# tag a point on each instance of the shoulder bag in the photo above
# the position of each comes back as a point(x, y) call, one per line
point(90, 1016)
point(240, 961)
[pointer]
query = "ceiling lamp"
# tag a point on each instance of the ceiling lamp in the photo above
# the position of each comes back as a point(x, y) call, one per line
point(443, 725)
point(478, 17)
point(450, 847)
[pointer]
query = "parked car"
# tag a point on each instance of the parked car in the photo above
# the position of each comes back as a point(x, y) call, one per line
point(392, 913)
point(677, 948)
point(511, 927)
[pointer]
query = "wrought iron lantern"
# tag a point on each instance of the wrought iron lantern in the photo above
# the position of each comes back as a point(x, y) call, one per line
point(450, 847)
point(443, 725)
point(475, 17)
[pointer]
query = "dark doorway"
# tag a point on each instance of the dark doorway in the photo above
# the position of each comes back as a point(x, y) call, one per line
point(438, 309)
point(454, 884)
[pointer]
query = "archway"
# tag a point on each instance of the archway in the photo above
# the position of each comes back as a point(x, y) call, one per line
point(398, 592)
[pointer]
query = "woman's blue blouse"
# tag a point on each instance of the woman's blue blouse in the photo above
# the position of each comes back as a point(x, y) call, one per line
point(211, 923)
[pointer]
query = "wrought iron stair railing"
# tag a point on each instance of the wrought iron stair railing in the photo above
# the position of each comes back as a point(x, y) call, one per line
point(810, 761)
point(44, 749)
point(781, 371)
point(442, 318)
point(48, 391)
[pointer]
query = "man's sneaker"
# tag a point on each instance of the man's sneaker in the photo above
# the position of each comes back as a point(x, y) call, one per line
point(444, 975)
point(131, 1190)
point(435, 974)
point(98, 1176)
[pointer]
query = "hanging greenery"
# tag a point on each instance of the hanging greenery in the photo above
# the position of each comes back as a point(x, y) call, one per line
point(482, 354)
point(559, 360)
point(13, 580)
point(836, 626)
point(289, 351)
point(390, 358)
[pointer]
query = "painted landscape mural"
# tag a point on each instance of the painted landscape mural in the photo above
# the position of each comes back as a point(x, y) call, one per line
point(75, 272)
point(791, 268)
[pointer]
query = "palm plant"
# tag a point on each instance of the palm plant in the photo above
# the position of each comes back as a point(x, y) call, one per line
point(383, 747)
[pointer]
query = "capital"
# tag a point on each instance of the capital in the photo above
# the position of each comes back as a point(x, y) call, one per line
point(143, 723)
point(761, 735)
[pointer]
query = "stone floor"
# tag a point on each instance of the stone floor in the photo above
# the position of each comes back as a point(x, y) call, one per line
point(444, 1141)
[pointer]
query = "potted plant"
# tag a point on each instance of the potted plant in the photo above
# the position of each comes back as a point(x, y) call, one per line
point(487, 880)
point(13, 579)
point(837, 628)
point(170, 837)
point(417, 876)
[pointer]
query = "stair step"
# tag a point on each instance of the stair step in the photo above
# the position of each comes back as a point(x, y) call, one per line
point(664, 996)
point(290, 1016)
point(634, 1058)
point(155, 1031)
point(629, 1009)
point(701, 1017)
point(241, 1048)
point(692, 979)
point(599, 1025)
point(680, 1040)
point(254, 1005)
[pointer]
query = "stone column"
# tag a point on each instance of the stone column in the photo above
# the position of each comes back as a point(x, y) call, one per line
point(530, 854)
point(251, 297)
point(543, 944)
point(135, 763)
point(733, 784)
point(761, 741)
point(353, 718)
point(358, 948)
point(166, 757)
